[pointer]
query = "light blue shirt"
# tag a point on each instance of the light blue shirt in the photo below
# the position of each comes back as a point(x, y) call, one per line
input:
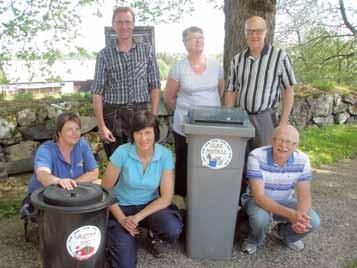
point(49, 156)
point(279, 182)
point(136, 187)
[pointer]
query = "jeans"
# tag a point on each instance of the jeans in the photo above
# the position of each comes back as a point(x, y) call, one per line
point(166, 225)
point(260, 219)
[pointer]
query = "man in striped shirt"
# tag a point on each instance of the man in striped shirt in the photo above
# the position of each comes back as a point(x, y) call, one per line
point(260, 75)
point(126, 80)
point(274, 172)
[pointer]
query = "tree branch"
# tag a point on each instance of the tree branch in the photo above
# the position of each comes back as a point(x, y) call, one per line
point(338, 56)
point(345, 19)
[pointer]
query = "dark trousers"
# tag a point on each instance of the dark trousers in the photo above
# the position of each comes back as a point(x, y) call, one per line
point(166, 225)
point(180, 164)
point(117, 118)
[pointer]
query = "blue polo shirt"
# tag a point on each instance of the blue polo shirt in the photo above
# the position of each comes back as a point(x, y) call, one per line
point(48, 155)
point(134, 186)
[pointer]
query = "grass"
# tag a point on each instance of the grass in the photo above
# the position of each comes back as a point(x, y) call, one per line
point(352, 264)
point(329, 144)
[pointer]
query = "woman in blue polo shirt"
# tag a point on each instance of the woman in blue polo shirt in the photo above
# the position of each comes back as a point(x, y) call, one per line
point(141, 175)
point(65, 161)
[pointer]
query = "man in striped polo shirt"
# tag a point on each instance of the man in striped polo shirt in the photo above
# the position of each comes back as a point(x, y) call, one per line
point(274, 172)
point(126, 80)
point(260, 76)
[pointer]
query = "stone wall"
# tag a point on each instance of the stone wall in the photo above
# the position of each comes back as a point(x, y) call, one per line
point(24, 126)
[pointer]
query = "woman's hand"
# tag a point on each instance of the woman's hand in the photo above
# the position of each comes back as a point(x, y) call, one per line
point(130, 223)
point(67, 184)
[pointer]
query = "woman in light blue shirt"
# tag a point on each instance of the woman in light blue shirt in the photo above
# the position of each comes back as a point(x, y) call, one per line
point(141, 176)
point(193, 81)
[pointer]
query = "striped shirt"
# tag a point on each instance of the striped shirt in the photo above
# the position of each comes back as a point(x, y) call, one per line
point(279, 182)
point(259, 81)
point(123, 78)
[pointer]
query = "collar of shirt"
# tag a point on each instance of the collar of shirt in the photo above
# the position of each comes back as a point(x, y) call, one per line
point(119, 51)
point(133, 154)
point(263, 52)
point(60, 156)
point(271, 161)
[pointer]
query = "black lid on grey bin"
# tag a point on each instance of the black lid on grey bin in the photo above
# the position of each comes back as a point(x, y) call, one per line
point(83, 198)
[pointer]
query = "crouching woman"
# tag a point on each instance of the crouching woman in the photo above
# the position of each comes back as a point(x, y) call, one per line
point(141, 174)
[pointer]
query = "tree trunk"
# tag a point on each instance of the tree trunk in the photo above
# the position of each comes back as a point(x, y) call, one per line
point(236, 12)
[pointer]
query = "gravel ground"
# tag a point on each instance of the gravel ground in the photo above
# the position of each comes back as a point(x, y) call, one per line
point(334, 245)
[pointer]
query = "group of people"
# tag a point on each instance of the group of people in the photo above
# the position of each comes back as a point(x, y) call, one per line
point(142, 173)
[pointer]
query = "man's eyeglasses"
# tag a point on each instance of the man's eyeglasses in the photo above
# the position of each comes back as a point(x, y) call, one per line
point(288, 143)
point(196, 38)
point(256, 31)
point(123, 22)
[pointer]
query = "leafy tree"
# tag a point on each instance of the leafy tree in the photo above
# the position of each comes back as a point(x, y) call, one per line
point(321, 42)
point(36, 30)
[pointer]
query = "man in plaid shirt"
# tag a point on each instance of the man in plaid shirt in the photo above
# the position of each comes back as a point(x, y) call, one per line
point(126, 80)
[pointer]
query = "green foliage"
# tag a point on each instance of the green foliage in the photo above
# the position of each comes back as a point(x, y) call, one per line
point(23, 96)
point(26, 24)
point(329, 144)
point(76, 96)
point(325, 59)
point(9, 207)
point(163, 69)
point(352, 264)
point(169, 58)
point(323, 85)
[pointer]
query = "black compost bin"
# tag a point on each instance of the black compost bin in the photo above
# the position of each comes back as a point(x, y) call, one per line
point(72, 225)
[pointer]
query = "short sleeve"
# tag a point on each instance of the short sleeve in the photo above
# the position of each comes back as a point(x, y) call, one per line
point(253, 168)
point(306, 174)
point(119, 156)
point(167, 160)
point(88, 157)
point(174, 73)
point(287, 72)
point(43, 157)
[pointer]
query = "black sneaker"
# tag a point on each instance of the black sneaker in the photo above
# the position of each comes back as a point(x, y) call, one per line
point(155, 246)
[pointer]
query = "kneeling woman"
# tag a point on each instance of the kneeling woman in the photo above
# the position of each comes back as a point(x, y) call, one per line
point(144, 192)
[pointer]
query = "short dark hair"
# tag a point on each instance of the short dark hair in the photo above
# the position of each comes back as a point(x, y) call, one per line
point(123, 10)
point(143, 119)
point(62, 119)
point(192, 29)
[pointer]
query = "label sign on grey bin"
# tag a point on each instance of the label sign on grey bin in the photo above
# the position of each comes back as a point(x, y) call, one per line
point(216, 154)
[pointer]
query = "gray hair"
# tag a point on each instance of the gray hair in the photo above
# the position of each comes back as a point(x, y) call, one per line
point(192, 29)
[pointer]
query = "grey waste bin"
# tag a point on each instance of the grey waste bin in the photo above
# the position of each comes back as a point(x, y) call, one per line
point(216, 147)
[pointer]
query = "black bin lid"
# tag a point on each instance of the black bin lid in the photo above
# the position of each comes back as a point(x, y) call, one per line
point(212, 115)
point(82, 195)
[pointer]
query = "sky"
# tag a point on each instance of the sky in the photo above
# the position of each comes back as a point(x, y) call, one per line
point(167, 36)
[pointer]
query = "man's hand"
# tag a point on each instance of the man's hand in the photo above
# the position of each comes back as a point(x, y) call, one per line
point(106, 135)
point(300, 222)
point(67, 184)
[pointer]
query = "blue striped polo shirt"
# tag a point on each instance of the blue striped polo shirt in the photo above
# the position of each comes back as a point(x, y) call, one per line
point(279, 182)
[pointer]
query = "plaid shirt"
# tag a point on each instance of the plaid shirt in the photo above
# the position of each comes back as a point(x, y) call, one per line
point(123, 78)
